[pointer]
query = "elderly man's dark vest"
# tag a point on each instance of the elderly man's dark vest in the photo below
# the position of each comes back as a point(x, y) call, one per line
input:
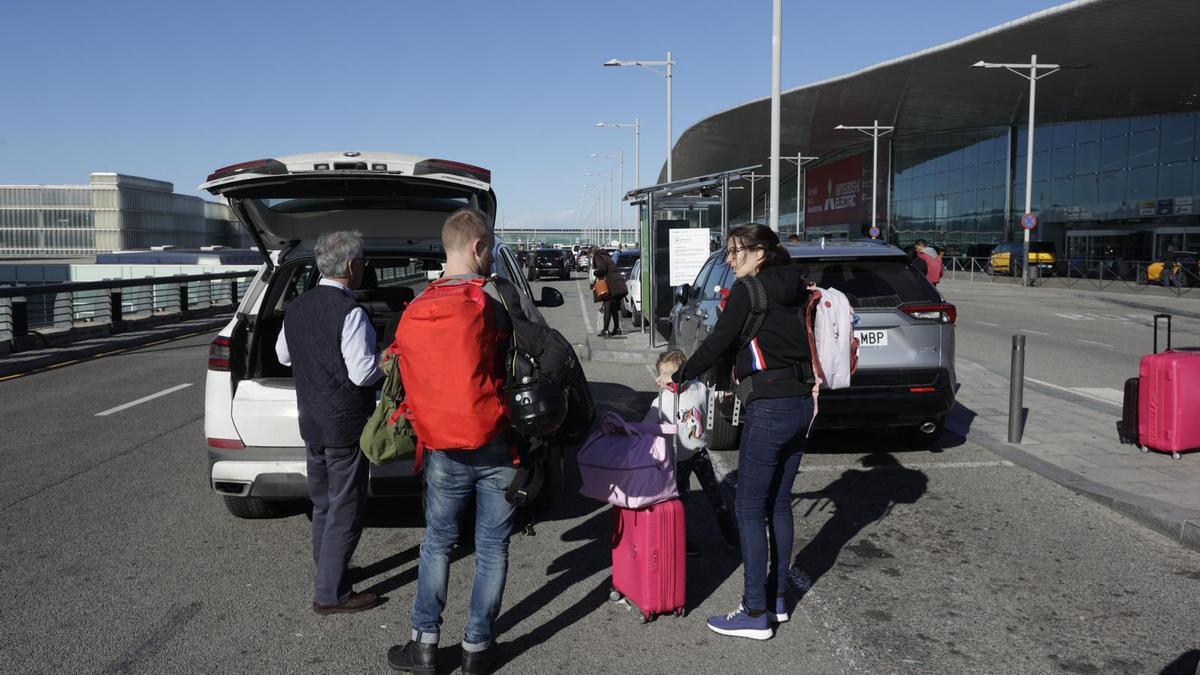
point(332, 408)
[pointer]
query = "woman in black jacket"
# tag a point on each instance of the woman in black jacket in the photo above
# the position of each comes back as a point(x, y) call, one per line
point(776, 361)
point(604, 268)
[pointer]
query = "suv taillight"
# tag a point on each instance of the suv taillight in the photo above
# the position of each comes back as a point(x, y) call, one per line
point(218, 354)
point(941, 312)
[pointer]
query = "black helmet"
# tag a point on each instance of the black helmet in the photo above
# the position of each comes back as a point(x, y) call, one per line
point(536, 409)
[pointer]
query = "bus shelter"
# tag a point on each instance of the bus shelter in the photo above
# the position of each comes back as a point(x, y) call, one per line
point(701, 202)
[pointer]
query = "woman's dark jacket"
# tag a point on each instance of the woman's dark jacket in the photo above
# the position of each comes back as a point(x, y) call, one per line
point(781, 343)
point(603, 266)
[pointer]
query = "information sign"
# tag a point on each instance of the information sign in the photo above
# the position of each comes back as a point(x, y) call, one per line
point(687, 251)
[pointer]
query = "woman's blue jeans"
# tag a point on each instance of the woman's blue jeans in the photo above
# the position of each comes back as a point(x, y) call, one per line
point(773, 440)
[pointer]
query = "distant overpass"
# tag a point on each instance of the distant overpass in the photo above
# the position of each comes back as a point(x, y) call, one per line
point(525, 235)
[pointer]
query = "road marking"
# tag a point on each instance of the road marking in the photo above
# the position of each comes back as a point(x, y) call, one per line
point(143, 399)
point(1034, 332)
point(583, 307)
point(985, 323)
point(834, 468)
point(1080, 391)
point(1111, 395)
point(1093, 342)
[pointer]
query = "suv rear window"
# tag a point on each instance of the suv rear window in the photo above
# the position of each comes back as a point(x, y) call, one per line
point(868, 283)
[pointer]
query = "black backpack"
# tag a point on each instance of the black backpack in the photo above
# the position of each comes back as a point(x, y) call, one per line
point(542, 354)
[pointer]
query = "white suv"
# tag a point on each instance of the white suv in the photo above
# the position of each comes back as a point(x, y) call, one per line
point(398, 203)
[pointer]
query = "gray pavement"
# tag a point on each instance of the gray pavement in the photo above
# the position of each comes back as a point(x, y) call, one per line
point(118, 557)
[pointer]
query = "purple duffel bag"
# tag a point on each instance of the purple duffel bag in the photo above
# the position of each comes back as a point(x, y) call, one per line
point(629, 464)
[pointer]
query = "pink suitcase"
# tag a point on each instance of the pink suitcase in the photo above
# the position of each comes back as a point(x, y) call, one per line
point(649, 558)
point(1169, 398)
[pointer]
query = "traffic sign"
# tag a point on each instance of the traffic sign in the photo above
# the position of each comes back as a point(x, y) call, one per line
point(874, 232)
point(1029, 221)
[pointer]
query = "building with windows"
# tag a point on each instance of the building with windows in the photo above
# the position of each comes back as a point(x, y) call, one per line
point(1116, 167)
point(112, 212)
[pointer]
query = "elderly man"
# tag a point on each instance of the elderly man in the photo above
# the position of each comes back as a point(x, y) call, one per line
point(330, 344)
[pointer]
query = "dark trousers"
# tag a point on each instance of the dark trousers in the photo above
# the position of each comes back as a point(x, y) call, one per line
point(612, 311)
point(337, 486)
point(700, 464)
point(773, 441)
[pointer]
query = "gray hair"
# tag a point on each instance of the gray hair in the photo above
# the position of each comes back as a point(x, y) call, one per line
point(335, 250)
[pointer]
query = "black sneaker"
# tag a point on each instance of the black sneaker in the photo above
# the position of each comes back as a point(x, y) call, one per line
point(480, 663)
point(603, 333)
point(414, 657)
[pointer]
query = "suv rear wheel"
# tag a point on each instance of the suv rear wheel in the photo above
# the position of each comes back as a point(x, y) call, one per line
point(256, 508)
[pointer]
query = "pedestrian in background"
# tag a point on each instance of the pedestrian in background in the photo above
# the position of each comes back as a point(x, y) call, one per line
point(932, 259)
point(777, 364)
point(328, 341)
point(604, 268)
point(794, 238)
point(917, 261)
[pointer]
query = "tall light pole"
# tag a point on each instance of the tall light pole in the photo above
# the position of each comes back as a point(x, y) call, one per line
point(776, 76)
point(637, 147)
point(800, 160)
point(753, 178)
point(669, 74)
point(874, 131)
point(1033, 76)
point(620, 157)
point(607, 196)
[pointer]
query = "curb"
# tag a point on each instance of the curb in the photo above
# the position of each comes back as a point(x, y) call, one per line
point(120, 343)
point(619, 356)
point(1180, 524)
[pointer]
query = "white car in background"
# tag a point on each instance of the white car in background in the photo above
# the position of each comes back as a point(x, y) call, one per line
point(256, 458)
point(631, 305)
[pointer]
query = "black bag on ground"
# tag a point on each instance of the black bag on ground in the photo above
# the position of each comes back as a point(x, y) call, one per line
point(542, 355)
point(1127, 430)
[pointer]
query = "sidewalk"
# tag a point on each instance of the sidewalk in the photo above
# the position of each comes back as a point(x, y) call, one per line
point(1073, 441)
point(24, 362)
point(1154, 299)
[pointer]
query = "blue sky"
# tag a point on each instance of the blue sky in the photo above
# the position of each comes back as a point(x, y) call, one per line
point(172, 90)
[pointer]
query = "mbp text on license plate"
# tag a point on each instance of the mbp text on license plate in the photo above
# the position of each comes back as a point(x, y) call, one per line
point(871, 338)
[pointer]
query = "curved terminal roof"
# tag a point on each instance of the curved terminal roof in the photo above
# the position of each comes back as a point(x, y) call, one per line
point(1138, 57)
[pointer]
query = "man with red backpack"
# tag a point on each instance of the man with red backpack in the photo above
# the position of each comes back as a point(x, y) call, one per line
point(452, 342)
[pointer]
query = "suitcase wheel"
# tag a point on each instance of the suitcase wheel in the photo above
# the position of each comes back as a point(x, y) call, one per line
point(644, 619)
point(1175, 455)
point(614, 595)
point(1144, 449)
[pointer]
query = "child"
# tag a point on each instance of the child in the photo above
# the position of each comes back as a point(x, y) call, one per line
point(691, 445)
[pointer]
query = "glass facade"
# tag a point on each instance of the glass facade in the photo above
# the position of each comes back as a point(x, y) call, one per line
point(113, 212)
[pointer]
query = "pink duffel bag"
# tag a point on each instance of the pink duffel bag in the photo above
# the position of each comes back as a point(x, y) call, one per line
point(629, 464)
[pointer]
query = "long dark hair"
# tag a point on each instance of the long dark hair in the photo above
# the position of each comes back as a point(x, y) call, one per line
point(759, 236)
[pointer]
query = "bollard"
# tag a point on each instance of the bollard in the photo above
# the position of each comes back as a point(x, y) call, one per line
point(1016, 390)
point(183, 298)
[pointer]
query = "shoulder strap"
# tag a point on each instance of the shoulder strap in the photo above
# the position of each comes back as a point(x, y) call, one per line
point(758, 309)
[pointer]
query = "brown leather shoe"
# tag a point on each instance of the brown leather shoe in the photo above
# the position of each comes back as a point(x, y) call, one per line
point(357, 602)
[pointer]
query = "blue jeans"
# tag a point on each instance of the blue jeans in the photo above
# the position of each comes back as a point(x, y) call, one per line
point(773, 441)
point(451, 478)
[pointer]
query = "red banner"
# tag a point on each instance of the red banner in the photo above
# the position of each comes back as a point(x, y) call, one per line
point(835, 193)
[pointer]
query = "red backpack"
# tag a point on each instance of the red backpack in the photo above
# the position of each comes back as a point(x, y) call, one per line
point(451, 363)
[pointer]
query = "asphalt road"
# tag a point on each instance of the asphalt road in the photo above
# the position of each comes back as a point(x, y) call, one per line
point(117, 557)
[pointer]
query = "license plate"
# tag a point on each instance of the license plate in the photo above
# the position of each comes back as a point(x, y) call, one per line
point(872, 338)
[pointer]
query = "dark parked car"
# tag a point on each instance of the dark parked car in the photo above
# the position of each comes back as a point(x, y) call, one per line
point(549, 261)
point(625, 260)
point(905, 375)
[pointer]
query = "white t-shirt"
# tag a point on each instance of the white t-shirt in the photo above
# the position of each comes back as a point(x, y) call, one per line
point(692, 419)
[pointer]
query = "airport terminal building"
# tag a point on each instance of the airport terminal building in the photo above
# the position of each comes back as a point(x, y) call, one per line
point(112, 212)
point(1116, 166)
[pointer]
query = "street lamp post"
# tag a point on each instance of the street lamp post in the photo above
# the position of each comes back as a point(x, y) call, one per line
point(637, 147)
point(607, 197)
point(776, 75)
point(1033, 76)
point(800, 160)
point(753, 178)
point(620, 157)
point(669, 74)
point(874, 131)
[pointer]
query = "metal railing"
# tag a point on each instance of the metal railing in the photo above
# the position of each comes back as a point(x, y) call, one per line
point(63, 307)
point(1133, 276)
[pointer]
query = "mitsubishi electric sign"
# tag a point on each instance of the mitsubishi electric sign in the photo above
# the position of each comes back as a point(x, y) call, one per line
point(838, 193)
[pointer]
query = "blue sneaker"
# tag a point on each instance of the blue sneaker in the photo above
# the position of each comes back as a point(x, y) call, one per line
point(741, 624)
point(781, 614)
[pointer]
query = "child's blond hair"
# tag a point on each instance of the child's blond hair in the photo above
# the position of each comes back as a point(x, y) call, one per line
point(675, 357)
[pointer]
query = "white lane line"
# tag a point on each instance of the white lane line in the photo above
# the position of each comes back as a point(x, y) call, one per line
point(1034, 332)
point(986, 323)
point(1111, 395)
point(1086, 393)
point(1093, 342)
point(143, 399)
point(583, 307)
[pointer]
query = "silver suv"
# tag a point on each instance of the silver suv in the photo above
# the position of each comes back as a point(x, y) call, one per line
point(256, 458)
point(905, 376)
